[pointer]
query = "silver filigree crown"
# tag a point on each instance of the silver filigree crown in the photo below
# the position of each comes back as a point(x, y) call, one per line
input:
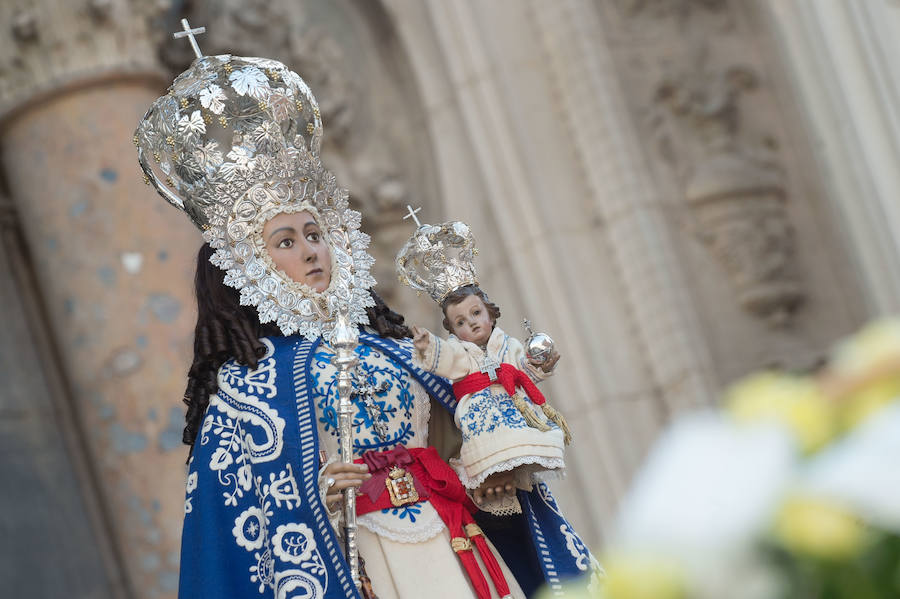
point(234, 142)
point(438, 259)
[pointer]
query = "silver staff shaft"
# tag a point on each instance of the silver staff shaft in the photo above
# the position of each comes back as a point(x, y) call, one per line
point(344, 341)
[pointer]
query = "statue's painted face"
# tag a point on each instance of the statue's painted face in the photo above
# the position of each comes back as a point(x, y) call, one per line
point(470, 320)
point(296, 245)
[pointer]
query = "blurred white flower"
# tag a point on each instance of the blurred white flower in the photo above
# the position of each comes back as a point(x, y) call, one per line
point(708, 484)
point(705, 496)
point(860, 471)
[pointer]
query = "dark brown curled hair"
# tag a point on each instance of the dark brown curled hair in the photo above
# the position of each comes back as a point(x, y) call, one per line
point(226, 329)
point(454, 297)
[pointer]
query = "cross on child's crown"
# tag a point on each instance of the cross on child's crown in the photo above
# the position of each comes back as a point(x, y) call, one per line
point(437, 259)
point(412, 214)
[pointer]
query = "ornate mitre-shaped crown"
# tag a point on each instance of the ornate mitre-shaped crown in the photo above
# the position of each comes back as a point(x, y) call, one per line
point(234, 143)
point(438, 259)
point(227, 123)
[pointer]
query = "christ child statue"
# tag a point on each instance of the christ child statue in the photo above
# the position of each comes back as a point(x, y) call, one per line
point(506, 424)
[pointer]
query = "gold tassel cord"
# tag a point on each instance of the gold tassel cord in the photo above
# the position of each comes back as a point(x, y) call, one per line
point(530, 417)
point(551, 413)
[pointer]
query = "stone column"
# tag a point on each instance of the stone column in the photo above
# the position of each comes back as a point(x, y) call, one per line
point(841, 56)
point(50, 514)
point(621, 188)
point(534, 149)
point(113, 263)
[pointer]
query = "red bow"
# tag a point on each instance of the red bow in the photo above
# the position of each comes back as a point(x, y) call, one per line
point(508, 375)
point(380, 465)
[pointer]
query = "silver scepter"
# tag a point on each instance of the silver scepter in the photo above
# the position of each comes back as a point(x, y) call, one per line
point(344, 340)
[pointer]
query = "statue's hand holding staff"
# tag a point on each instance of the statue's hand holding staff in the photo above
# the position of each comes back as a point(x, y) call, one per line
point(340, 476)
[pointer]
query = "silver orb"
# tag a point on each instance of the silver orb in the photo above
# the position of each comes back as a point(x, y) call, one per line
point(539, 347)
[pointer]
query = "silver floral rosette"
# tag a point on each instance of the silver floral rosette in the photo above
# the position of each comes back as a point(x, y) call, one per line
point(234, 142)
point(438, 259)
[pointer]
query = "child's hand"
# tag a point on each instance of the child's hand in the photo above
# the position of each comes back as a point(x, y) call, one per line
point(549, 364)
point(420, 338)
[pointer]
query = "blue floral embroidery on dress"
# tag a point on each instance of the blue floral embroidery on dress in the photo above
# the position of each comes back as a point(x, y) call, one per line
point(378, 368)
point(406, 511)
point(487, 411)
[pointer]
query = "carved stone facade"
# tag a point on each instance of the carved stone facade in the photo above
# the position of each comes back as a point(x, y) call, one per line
point(709, 101)
point(736, 191)
point(635, 173)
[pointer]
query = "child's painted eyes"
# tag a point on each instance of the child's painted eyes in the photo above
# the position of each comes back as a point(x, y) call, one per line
point(477, 312)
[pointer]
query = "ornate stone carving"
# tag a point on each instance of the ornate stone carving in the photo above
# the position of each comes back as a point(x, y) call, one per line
point(741, 214)
point(24, 26)
point(100, 10)
point(704, 104)
point(667, 8)
point(704, 13)
point(45, 47)
point(737, 197)
point(319, 57)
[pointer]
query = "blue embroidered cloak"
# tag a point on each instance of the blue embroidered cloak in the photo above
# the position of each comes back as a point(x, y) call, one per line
point(254, 522)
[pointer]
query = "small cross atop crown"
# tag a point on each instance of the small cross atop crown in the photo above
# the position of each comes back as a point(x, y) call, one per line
point(412, 214)
point(190, 33)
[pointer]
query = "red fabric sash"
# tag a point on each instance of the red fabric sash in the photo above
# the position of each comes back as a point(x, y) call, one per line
point(508, 375)
point(435, 481)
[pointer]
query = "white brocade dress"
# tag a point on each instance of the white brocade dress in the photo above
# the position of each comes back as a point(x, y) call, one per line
point(496, 436)
point(406, 549)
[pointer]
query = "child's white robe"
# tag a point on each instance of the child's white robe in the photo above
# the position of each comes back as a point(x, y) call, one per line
point(496, 437)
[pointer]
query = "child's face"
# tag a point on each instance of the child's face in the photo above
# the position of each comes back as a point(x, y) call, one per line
point(469, 320)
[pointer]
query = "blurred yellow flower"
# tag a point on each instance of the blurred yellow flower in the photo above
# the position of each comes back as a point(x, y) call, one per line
point(642, 577)
point(796, 402)
point(864, 373)
point(820, 529)
point(876, 343)
point(868, 399)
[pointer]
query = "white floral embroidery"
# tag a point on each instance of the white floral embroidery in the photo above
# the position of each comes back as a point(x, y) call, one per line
point(414, 523)
point(250, 529)
point(191, 482)
point(296, 584)
point(245, 477)
point(239, 397)
point(264, 570)
point(547, 498)
point(294, 542)
point(576, 547)
point(221, 458)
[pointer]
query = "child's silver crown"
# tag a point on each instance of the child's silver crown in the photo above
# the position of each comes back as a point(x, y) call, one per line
point(438, 259)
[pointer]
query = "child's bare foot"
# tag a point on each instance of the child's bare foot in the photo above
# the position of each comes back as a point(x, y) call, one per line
point(495, 486)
